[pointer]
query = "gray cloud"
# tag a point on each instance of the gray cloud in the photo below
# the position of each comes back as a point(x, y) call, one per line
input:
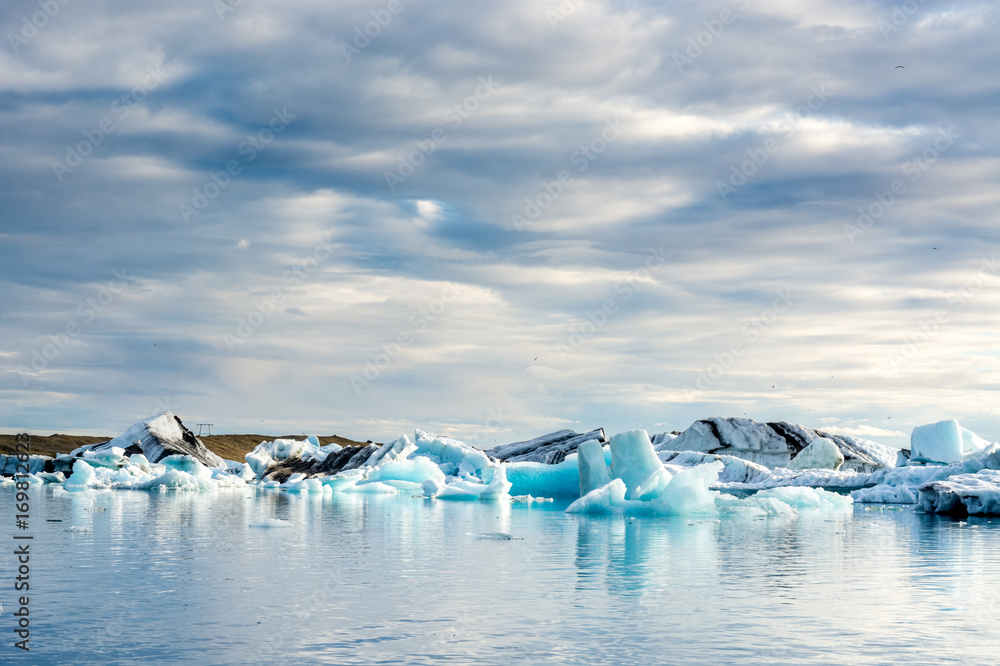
point(478, 110)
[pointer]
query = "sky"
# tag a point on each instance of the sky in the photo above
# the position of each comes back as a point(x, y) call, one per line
point(496, 220)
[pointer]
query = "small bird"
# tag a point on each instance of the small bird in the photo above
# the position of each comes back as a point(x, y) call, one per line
point(536, 358)
point(900, 67)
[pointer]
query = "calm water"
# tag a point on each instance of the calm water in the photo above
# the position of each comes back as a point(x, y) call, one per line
point(355, 579)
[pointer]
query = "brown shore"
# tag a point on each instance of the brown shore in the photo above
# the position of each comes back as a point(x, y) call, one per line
point(230, 447)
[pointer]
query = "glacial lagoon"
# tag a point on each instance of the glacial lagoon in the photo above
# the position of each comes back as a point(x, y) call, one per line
point(250, 575)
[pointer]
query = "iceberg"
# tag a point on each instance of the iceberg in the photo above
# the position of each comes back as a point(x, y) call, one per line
point(904, 484)
point(944, 442)
point(549, 449)
point(642, 484)
point(963, 494)
point(774, 444)
point(593, 468)
point(156, 438)
point(561, 479)
point(634, 461)
point(821, 453)
point(628, 473)
point(83, 477)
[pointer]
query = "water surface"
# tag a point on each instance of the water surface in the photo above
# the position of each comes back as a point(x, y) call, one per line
point(130, 576)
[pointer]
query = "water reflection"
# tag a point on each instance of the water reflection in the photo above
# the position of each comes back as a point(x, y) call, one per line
point(357, 579)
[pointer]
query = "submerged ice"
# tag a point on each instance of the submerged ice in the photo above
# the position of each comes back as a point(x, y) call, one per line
point(778, 469)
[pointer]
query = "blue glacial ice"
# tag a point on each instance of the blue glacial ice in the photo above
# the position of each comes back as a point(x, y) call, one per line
point(628, 473)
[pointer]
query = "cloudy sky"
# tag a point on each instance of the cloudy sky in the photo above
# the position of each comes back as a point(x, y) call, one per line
point(495, 220)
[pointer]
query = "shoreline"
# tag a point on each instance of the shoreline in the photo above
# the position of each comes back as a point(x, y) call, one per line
point(229, 447)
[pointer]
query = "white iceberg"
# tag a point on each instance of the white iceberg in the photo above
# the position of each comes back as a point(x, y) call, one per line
point(964, 494)
point(944, 442)
point(821, 453)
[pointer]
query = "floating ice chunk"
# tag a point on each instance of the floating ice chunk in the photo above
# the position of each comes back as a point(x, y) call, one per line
point(397, 450)
point(321, 452)
point(609, 498)
point(593, 470)
point(371, 488)
point(82, 478)
point(529, 500)
point(661, 440)
point(461, 489)
point(688, 494)
point(343, 481)
point(902, 484)
point(886, 494)
point(974, 494)
point(542, 480)
point(158, 436)
point(808, 498)
point(431, 487)
point(754, 507)
point(939, 442)
point(549, 449)
point(416, 470)
point(944, 442)
point(245, 472)
point(821, 453)
point(139, 460)
point(972, 443)
point(498, 486)
point(495, 536)
point(272, 522)
point(112, 458)
point(267, 453)
point(455, 458)
point(634, 461)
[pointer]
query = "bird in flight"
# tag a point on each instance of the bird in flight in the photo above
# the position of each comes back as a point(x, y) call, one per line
point(900, 67)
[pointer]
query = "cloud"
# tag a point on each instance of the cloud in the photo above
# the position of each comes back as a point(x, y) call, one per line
point(765, 164)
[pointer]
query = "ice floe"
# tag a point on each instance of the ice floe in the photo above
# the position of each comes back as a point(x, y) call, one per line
point(781, 469)
point(156, 438)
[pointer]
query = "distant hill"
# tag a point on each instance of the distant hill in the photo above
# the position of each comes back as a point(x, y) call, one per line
point(231, 447)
